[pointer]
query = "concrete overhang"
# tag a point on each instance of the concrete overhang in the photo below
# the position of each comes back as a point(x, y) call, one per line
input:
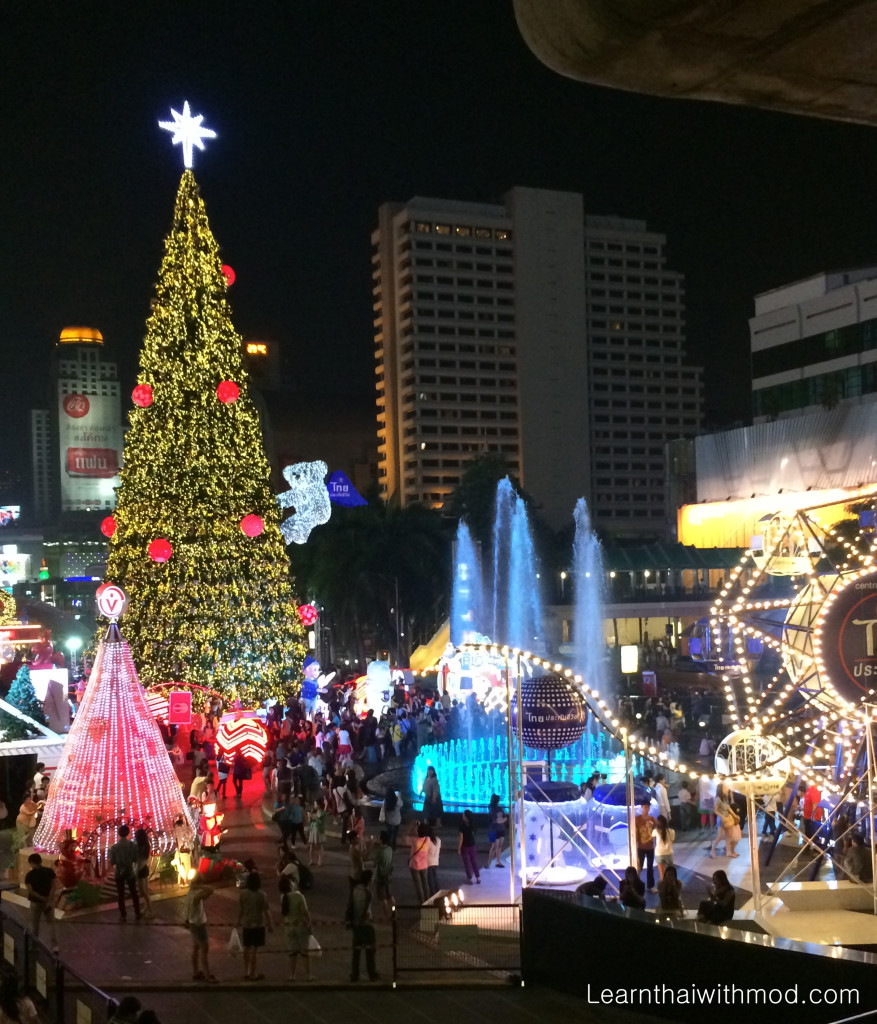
point(811, 57)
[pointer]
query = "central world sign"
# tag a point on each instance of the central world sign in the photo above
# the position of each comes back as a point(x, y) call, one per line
point(846, 638)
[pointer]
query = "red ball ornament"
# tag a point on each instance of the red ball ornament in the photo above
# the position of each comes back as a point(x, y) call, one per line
point(160, 550)
point(228, 392)
point(229, 275)
point(142, 395)
point(108, 526)
point(308, 614)
point(252, 525)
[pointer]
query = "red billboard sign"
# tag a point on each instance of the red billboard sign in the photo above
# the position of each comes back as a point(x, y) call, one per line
point(179, 708)
point(92, 462)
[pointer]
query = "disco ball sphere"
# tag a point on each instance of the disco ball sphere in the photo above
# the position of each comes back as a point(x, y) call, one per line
point(554, 713)
point(758, 763)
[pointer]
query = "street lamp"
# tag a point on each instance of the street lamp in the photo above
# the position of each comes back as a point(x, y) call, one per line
point(73, 644)
point(563, 585)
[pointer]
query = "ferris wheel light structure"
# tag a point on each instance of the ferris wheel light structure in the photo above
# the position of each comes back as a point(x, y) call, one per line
point(805, 594)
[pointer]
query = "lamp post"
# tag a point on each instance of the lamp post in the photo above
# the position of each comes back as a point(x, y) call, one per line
point(73, 644)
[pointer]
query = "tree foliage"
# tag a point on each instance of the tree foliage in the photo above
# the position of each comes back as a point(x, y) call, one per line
point(220, 611)
point(356, 564)
point(22, 696)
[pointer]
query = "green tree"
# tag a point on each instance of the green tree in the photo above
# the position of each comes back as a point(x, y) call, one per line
point(474, 498)
point(219, 612)
point(22, 696)
point(362, 560)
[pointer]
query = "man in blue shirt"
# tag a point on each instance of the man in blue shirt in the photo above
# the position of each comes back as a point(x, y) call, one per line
point(124, 855)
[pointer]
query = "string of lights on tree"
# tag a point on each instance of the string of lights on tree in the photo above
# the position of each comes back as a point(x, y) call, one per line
point(195, 538)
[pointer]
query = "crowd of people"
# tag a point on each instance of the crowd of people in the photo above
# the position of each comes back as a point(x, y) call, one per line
point(313, 773)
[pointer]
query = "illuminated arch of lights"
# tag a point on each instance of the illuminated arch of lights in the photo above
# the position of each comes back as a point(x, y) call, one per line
point(603, 713)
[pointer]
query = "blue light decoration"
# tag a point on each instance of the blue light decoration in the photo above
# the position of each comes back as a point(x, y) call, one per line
point(470, 770)
point(342, 491)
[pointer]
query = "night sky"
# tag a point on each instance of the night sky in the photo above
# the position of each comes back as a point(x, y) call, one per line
point(326, 109)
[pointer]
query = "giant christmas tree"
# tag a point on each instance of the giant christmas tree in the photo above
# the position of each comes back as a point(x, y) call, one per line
point(197, 541)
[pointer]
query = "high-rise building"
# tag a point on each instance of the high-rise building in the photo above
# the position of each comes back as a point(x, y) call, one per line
point(76, 443)
point(641, 393)
point(814, 344)
point(479, 327)
point(530, 330)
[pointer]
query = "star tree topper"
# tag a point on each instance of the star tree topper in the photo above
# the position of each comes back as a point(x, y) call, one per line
point(187, 131)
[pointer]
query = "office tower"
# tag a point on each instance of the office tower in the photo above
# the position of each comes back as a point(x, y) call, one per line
point(480, 345)
point(641, 394)
point(529, 329)
point(814, 344)
point(77, 443)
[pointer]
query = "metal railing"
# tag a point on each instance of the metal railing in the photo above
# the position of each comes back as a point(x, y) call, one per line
point(476, 939)
point(60, 994)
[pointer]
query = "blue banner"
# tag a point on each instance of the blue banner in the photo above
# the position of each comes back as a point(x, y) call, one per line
point(342, 491)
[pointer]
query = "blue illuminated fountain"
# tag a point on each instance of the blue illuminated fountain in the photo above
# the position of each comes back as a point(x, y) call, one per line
point(517, 602)
point(471, 770)
point(590, 644)
point(466, 599)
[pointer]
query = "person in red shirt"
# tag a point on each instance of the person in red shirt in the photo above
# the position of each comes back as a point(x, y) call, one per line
point(812, 812)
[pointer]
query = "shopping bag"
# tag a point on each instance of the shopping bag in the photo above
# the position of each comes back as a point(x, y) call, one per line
point(235, 945)
point(314, 948)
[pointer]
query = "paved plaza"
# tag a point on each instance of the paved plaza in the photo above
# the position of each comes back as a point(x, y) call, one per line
point(152, 958)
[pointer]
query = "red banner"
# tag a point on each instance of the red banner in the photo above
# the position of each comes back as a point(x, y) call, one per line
point(179, 708)
point(92, 462)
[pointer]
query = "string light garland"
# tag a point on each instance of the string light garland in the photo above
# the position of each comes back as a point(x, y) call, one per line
point(821, 638)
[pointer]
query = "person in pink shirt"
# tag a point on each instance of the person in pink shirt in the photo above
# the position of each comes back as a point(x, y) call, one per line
point(418, 861)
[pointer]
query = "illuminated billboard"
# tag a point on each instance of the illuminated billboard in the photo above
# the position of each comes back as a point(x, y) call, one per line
point(9, 513)
point(90, 435)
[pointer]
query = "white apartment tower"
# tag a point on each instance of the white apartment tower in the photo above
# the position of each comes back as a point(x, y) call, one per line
point(529, 329)
point(479, 331)
point(641, 394)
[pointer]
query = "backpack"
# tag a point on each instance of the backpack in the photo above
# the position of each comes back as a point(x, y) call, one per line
point(305, 877)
